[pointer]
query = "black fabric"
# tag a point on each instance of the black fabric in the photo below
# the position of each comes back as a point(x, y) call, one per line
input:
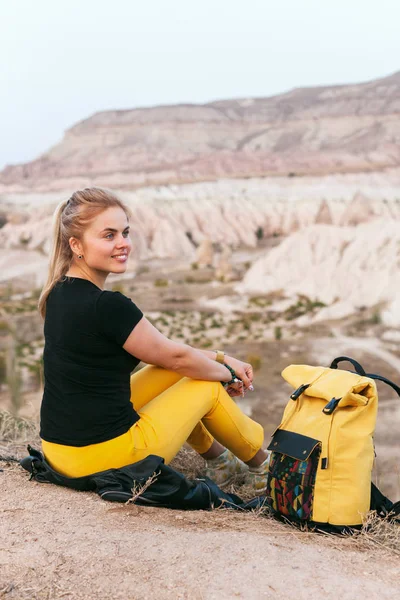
point(86, 396)
point(358, 368)
point(169, 489)
point(293, 444)
point(394, 386)
point(379, 502)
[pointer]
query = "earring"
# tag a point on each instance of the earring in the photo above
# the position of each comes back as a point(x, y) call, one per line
point(79, 255)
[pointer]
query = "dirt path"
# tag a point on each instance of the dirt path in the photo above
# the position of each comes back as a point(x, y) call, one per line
point(56, 543)
point(370, 346)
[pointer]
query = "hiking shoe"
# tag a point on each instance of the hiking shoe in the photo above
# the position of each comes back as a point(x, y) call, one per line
point(223, 469)
point(257, 476)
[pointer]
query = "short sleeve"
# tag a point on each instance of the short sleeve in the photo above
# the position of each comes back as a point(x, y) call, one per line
point(117, 315)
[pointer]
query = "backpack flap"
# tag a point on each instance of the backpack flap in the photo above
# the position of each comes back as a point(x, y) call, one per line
point(291, 475)
point(292, 444)
point(350, 389)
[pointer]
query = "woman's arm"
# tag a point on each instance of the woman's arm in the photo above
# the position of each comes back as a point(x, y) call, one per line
point(152, 347)
point(242, 369)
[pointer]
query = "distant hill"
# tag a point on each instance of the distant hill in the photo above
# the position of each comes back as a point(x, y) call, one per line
point(334, 129)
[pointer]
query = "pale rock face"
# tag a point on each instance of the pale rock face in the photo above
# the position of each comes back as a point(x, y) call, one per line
point(324, 215)
point(360, 210)
point(224, 269)
point(171, 221)
point(205, 253)
point(344, 267)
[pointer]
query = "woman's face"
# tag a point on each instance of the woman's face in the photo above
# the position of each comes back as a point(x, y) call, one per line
point(106, 244)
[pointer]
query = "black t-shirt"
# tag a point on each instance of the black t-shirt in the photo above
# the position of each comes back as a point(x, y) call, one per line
point(86, 396)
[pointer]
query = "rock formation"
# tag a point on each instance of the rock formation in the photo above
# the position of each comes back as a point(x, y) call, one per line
point(172, 221)
point(332, 129)
point(324, 216)
point(346, 268)
point(359, 210)
point(205, 254)
point(224, 270)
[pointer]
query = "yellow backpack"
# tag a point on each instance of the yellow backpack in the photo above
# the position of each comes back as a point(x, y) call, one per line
point(322, 452)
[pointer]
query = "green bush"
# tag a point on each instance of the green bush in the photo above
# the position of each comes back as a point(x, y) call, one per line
point(260, 301)
point(278, 332)
point(255, 361)
point(303, 306)
point(161, 282)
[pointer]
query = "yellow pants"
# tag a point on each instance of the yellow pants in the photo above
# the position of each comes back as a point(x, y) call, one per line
point(172, 409)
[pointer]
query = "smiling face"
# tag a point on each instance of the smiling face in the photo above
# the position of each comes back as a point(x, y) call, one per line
point(105, 245)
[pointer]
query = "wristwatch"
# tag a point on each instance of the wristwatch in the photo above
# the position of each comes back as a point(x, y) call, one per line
point(220, 356)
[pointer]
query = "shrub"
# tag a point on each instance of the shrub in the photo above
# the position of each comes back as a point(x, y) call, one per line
point(4, 327)
point(303, 305)
point(206, 343)
point(376, 318)
point(260, 301)
point(143, 269)
point(254, 360)
point(161, 282)
point(278, 332)
point(215, 324)
point(3, 369)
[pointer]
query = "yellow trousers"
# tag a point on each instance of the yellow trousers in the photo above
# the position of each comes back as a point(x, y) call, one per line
point(172, 409)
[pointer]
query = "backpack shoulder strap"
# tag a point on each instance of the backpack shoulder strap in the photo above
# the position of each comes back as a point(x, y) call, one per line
point(361, 371)
point(395, 387)
point(358, 368)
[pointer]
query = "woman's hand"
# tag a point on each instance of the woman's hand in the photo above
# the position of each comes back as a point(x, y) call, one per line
point(236, 389)
point(244, 371)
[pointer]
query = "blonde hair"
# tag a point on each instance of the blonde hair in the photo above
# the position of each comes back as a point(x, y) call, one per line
point(70, 220)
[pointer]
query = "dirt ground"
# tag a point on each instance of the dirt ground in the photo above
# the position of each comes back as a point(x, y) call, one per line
point(57, 543)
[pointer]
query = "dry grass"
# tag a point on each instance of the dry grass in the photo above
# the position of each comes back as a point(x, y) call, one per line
point(378, 532)
point(188, 462)
point(17, 429)
point(15, 434)
point(138, 490)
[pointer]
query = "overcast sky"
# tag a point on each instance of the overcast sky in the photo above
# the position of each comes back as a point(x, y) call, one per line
point(63, 60)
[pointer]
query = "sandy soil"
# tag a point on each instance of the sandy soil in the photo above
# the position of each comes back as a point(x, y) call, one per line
point(57, 543)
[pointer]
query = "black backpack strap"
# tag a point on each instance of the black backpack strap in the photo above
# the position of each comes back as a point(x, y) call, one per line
point(395, 387)
point(394, 514)
point(358, 368)
point(379, 502)
point(361, 371)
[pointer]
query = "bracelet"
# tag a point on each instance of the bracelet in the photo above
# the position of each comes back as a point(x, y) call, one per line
point(220, 356)
point(234, 378)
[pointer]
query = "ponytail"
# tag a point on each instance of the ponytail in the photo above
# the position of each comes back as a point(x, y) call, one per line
point(60, 258)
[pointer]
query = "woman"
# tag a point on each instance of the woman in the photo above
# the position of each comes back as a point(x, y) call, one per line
point(94, 415)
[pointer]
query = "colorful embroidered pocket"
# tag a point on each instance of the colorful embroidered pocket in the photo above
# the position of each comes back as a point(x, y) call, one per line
point(292, 473)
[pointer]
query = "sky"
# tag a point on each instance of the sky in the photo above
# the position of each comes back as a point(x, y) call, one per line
point(63, 60)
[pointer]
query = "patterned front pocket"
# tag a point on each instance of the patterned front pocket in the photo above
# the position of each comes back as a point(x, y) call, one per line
point(291, 478)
